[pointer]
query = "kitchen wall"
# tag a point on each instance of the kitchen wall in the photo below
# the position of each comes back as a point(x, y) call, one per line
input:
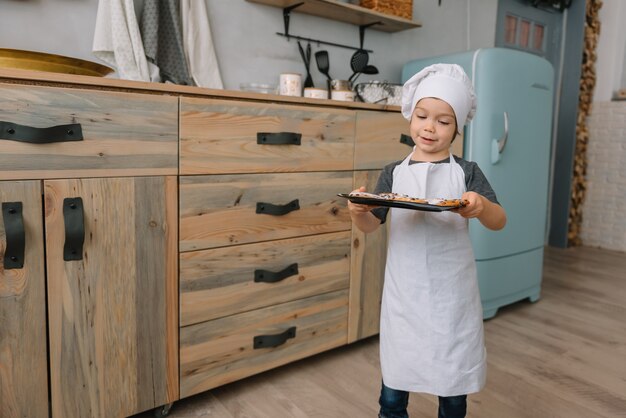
point(603, 214)
point(603, 211)
point(611, 54)
point(244, 35)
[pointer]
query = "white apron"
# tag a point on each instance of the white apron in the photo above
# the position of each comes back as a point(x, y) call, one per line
point(431, 328)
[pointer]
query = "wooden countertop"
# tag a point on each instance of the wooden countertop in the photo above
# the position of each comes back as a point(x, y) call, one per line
point(102, 83)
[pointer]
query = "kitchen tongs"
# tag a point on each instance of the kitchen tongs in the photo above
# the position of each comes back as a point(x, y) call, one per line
point(308, 81)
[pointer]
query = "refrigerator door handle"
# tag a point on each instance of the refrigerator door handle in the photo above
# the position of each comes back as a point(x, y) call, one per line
point(497, 145)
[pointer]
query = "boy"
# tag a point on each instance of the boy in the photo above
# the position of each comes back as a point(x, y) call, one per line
point(431, 331)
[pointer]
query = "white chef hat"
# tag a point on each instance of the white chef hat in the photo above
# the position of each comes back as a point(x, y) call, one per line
point(447, 82)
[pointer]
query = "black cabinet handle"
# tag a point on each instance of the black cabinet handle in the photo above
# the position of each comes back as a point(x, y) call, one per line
point(59, 133)
point(277, 210)
point(407, 140)
point(15, 235)
point(278, 138)
point(264, 341)
point(267, 276)
point(74, 228)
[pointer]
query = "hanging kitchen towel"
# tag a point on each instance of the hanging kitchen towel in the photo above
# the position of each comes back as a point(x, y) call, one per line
point(117, 40)
point(162, 39)
point(198, 45)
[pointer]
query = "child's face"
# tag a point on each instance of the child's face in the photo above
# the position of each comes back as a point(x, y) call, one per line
point(433, 127)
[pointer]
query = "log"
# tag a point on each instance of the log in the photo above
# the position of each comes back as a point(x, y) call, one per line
point(586, 87)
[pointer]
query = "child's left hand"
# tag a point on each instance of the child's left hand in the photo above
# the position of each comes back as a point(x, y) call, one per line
point(473, 208)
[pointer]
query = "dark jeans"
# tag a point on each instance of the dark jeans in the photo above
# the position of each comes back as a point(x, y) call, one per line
point(393, 404)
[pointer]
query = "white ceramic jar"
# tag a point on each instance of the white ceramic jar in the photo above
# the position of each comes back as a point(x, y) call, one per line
point(315, 93)
point(290, 84)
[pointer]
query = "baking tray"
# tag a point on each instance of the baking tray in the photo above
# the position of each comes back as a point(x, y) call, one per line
point(398, 203)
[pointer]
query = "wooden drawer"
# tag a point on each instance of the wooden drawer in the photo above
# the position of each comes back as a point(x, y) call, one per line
point(123, 134)
point(217, 211)
point(384, 137)
point(378, 136)
point(225, 281)
point(219, 136)
point(217, 352)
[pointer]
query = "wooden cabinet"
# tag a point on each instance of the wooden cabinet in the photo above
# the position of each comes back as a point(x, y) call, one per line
point(264, 239)
point(214, 245)
point(109, 247)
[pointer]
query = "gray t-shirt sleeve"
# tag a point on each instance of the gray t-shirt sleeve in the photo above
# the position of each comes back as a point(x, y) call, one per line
point(475, 181)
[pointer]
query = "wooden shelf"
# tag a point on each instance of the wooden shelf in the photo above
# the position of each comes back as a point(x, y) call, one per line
point(345, 12)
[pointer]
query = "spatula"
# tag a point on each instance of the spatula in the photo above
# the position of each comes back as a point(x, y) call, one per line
point(323, 63)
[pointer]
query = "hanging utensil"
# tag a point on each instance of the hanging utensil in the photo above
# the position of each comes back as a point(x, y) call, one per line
point(323, 63)
point(308, 52)
point(369, 69)
point(308, 82)
point(358, 62)
point(308, 59)
point(360, 58)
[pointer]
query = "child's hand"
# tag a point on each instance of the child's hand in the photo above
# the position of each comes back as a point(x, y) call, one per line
point(358, 209)
point(475, 206)
point(490, 214)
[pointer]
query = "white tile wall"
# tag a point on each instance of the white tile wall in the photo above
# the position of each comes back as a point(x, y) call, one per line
point(604, 209)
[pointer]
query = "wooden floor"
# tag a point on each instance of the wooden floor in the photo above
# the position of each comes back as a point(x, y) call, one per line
point(561, 357)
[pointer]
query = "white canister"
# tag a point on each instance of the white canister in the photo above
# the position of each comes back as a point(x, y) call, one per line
point(343, 95)
point(315, 93)
point(290, 84)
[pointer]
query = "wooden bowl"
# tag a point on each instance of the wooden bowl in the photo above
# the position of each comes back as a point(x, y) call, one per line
point(40, 61)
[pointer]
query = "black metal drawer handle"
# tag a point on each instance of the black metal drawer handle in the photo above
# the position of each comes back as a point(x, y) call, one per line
point(59, 133)
point(277, 210)
point(266, 276)
point(74, 228)
point(278, 138)
point(407, 140)
point(265, 341)
point(15, 235)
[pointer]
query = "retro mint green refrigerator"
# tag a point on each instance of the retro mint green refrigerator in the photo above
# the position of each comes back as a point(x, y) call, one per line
point(510, 139)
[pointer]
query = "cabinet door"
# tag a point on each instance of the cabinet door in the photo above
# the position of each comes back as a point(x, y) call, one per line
point(23, 368)
point(113, 314)
point(367, 272)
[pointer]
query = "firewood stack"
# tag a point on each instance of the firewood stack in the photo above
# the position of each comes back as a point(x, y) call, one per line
point(587, 84)
point(402, 8)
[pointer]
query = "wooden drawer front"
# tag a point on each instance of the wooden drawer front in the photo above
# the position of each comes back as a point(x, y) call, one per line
point(219, 136)
point(217, 211)
point(379, 140)
point(123, 134)
point(217, 352)
point(378, 137)
point(225, 281)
